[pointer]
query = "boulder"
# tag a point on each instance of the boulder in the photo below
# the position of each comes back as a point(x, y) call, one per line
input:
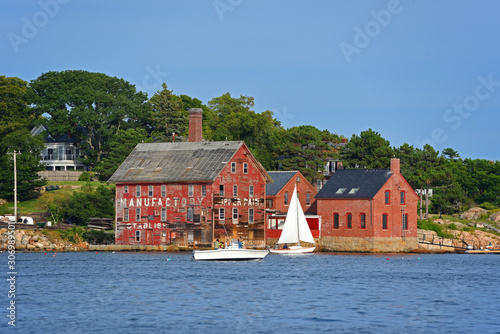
point(39, 245)
point(19, 236)
point(35, 237)
point(473, 213)
point(30, 247)
point(25, 240)
point(495, 217)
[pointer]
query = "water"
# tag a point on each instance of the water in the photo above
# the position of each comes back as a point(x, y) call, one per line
point(318, 293)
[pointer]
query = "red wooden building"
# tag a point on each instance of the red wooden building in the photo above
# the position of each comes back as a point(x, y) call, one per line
point(190, 193)
point(278, 195)
point(368, 210)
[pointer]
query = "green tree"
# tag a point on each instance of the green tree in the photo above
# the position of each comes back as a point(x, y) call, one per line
point(88, 203)
point(14, 111)
point(120, 147)
point(54, 203)
point(93, 107)
point(28, 165)
point(306, 149)
point(368, 150)
point(168, 114)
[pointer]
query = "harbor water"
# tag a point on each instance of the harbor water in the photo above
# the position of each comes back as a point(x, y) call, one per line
point(318, 293)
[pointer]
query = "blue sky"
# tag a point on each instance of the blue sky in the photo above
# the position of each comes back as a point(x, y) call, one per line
point(417, 72)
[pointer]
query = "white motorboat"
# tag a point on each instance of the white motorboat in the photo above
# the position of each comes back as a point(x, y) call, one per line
point(232, 252)
point(295, 230)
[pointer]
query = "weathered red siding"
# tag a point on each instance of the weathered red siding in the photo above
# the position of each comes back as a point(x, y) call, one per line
point(177, 201)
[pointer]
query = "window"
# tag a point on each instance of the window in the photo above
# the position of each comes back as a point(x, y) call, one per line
point(233, 167)
point(163, 236)
point(349, 220)
point(163, 190)
point(250, 216)
point(150, 191)
point(235, 215)
point(387, 197)
point(203, 190)
point(125, 189)
point(137, 214)
point(235, 190)
point(362, 219)
point(221, 213)
point(137, 191)
point(190, 190)
point(297, 179)
point(221, 190)
point(125, 215)
point(384, 221)
point(340, 191)
point(163, 214)
point(190, 214)
point(269, 203)
point(250, 191)
point(137, 236)
point(402, 197)
point(405, 221)
point(308, 198)
point(335, 220)
point(245, 168)
point(286, 197)
point(353, 191)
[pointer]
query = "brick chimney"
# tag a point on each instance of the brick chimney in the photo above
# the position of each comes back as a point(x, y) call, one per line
point(195, 125)
point(343, 140)
point(395, 165)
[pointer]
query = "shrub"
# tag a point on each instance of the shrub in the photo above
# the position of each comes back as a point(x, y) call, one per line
point(87, 176)
point(452, 226)
point(431, 226)
point(98, 237)
point(488, 206)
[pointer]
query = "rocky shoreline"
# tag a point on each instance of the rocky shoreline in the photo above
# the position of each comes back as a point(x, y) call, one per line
point(30, 240)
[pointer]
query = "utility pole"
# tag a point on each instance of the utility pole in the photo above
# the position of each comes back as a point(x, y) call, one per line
point(15, 186)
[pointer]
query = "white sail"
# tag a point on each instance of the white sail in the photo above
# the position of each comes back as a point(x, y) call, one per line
point(296, 227)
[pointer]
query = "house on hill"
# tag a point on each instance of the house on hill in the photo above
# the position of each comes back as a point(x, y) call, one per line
point(278, 196)
point(368, 210)
point(60, 156)
point(190, 193)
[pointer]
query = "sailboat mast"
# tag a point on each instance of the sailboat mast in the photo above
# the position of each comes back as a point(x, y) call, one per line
point(297, 215)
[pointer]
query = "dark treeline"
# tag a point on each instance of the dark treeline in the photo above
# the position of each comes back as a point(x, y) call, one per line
point(108, 117)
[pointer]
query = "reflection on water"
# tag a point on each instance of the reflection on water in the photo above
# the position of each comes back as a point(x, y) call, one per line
point(170, 292)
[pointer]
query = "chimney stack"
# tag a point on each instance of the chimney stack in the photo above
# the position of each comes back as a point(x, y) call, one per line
point(395, 165)
point(195, 125)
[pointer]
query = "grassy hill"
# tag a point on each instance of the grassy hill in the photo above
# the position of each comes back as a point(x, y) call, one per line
point(66, 188)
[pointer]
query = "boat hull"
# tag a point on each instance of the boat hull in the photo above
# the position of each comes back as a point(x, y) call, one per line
point(293, 250)
point(230, 254)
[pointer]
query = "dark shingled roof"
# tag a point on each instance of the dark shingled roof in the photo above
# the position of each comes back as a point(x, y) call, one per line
point(368, 182)
point(280, 179)
point(176, 162)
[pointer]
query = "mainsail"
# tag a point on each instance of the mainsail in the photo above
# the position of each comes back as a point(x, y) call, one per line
point(296, 227)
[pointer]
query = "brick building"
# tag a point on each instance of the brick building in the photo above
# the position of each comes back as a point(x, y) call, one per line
point(189, 193)
point(278, 195)
point(368, 210)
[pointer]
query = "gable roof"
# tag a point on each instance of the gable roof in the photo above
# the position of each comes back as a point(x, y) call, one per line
point(367, 182)
point(280, 179)
point(177, 162)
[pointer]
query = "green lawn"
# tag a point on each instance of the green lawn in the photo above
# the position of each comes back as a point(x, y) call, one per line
point(66, 188)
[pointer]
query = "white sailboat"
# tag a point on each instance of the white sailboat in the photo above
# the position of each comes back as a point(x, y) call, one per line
point(295, 230)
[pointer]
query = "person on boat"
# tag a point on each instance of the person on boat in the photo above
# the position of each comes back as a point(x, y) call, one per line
point(240, 243)
point(285, 246)
point(216, 244)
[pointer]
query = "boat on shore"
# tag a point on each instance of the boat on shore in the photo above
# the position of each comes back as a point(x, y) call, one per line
point(295, 230)
point(232, 252)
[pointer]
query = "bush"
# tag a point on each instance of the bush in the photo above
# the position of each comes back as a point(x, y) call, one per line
point(87, 176)
point(488, 206)
point(452, 226)
point(431, 226)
